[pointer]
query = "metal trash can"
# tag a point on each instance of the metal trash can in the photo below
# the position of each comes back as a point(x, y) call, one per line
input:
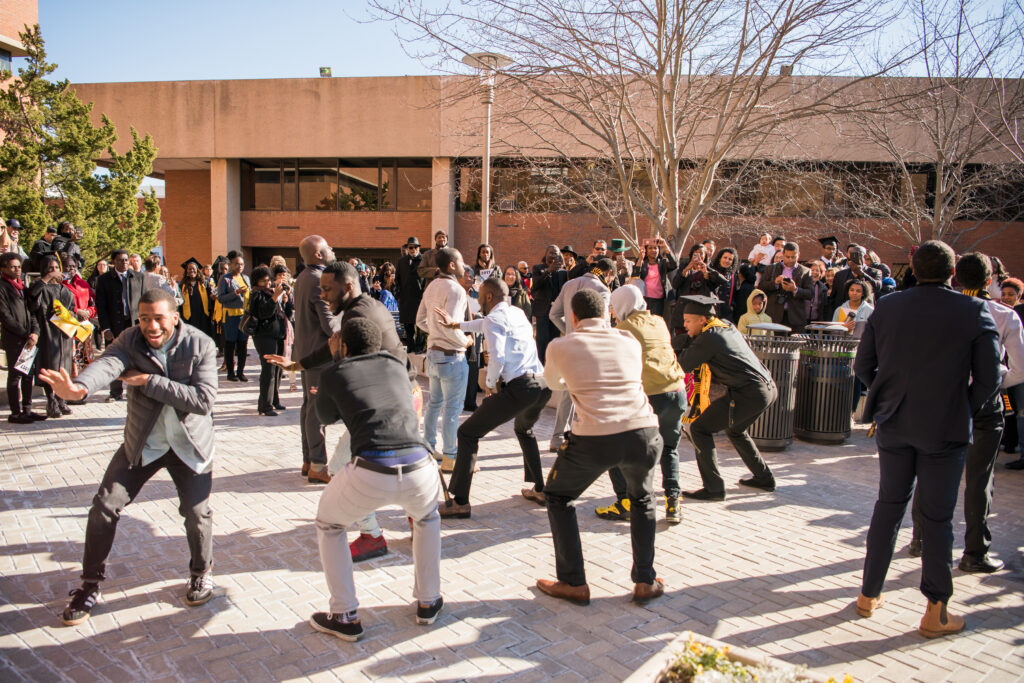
point(824, 388)
point(773, 430)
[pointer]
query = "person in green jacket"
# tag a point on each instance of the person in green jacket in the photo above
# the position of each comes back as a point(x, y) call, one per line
point(665, 385)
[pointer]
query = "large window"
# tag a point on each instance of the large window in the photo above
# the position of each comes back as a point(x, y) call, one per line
point(336, 184)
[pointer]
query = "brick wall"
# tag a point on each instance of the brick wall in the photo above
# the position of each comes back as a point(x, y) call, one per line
point(186, 217)
point(16, 14)
point(523, 237)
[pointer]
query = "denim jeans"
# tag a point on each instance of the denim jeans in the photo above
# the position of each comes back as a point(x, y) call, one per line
point(122, 483)
point(448, 376)
point(669, 407)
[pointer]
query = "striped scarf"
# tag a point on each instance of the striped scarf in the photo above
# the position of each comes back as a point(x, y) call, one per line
point(698, 383)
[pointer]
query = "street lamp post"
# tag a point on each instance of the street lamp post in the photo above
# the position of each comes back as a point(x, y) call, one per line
point(488, 63)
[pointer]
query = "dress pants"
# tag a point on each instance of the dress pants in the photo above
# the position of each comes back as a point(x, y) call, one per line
point(656, 306)
point(313, 449)
point(669, 407)
point(355, 492)
point(734, 413)
point(937, 468)
point(270, 374)
point(581, 460)
point(122, 483)
point(979, 470)
point(342, 456)
point(546, 331)
point(19, 386)
point(522, 398)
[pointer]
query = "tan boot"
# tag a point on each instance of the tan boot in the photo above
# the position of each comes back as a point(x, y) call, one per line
point(937, 622)
point(866, 606)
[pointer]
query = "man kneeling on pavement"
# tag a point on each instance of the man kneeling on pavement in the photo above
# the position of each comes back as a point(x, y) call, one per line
point(368, 390)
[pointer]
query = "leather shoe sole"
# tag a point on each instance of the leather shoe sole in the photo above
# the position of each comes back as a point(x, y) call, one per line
point(578, 595)
point(452, 510)
point(985, 565)
point(704, 494)
point(643, 593)
point(753, 483)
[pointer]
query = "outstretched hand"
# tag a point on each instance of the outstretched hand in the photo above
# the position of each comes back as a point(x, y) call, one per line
point(281, 361)
point(62, 385)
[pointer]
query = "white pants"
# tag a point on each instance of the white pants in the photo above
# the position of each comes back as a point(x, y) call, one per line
point(341, 457)
point(355, 492)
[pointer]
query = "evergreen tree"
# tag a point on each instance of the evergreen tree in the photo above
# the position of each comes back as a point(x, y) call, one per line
point(48, 164)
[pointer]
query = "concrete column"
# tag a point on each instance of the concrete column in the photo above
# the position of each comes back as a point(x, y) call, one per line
point(442, 201)
point(225, 205)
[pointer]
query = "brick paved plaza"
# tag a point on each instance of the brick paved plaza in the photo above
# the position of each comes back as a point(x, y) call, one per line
point(775, 573)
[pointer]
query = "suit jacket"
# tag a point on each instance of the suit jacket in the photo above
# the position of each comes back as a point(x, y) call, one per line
point(544, 288)
point(16, 322)
point(930, 357)
point(841, 284)
point(410, 287)
point(314, 322)
point(797, 301)
point(109, 302)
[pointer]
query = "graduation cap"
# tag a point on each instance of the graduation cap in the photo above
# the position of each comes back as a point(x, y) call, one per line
point(698, 304)
point(825, 241)
point(199, 266)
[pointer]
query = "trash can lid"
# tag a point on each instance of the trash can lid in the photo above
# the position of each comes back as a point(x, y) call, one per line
point(831, 328)
point(770, 327)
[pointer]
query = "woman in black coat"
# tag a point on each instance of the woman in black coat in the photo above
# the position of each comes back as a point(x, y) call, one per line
point(724, 280)
point(55, 347)
point(656, 255)
point(267, 336)
point(690, 280)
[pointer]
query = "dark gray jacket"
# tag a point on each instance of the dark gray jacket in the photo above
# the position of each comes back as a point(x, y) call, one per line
point(188, 384)
point(314, 322)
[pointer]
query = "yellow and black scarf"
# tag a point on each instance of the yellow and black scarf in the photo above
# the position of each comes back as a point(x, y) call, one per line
point(698, 383)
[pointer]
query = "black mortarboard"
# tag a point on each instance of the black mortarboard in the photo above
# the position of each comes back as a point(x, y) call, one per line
point(698, 304)
point(828, 240)
point(199, 265)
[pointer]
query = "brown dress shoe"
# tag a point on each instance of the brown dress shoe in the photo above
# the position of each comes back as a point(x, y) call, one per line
point(452, 510)
point(579, 595)
point(643, 593)
point(937, 622)
point(318, 476)
point(305, 469)
point(866, 606)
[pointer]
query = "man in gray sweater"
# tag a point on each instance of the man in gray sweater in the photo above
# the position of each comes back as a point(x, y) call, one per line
point(171, 372)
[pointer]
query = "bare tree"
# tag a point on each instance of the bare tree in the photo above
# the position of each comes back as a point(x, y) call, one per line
point(942, 172)
point(641, 105)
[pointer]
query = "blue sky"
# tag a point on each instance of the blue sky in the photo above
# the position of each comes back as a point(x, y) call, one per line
point(124, 40)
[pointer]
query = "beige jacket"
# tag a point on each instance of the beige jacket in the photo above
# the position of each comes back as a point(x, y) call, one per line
point(601, 368)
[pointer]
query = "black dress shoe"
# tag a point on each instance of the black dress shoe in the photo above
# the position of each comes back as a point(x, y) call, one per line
point(278, 406)
point(20, 419)
point(269, 412)
point(755, 483)
point(35, 417)
point(704, 494)
point(980, 565)
point(242, 378)
point(1016, 464)
point(232, 378)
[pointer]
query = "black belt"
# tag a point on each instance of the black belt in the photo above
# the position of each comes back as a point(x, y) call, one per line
point(447, 352)
point(397, 469)
point(525, 376)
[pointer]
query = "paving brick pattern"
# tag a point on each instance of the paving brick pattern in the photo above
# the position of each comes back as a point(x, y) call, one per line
point(777, 573)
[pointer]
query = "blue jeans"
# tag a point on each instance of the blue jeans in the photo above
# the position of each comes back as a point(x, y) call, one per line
point(448, 376)
point(669, 407)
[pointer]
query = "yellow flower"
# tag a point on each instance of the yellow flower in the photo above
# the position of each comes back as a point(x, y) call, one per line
point(847, 678)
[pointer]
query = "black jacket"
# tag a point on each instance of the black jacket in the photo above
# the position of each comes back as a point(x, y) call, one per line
point(797, 300)
point(730, 358)
point(109, 305)
point(544, 289)
point(269, 316)
point(666, 264)
point(370, 394)
point(841, 284)
point(16, 322)
point(62, 244)
point(410, 287)
point(365, 306)
point(930, 357)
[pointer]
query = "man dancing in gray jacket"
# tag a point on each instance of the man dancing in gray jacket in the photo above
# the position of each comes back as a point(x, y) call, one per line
point(171, 372)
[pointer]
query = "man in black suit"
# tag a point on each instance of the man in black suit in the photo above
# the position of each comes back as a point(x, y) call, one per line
point(930, 357)
point(117, 305)
point(410, 292)
point(789, 286)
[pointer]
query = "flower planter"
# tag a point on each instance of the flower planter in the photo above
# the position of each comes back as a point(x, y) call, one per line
point(657, 668)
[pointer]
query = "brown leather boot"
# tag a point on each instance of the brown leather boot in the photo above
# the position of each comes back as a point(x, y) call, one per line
point(937, 622)
point(643, 593)
point(866, 606)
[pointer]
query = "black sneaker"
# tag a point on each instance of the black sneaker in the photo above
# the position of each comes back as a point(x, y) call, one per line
point(428, 614)
point(325, 622)
point(82, 601)
point(200, 589)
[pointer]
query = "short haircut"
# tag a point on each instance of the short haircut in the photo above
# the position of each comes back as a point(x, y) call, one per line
point(277, 270)
point(151, 263)
point(790, 246)
point(135, 256)
point(606, 265)
point(1014, 284)
point(361, 336)
point(495, 286)
point(600, 241)
point(587, 303)
point(117, 252)
point(973, 270)
point(439, 232)
point(258, 273)
point(342, 270)
point(446, 257)
point(6, 258)
point(934, 261)
point(151, 296)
